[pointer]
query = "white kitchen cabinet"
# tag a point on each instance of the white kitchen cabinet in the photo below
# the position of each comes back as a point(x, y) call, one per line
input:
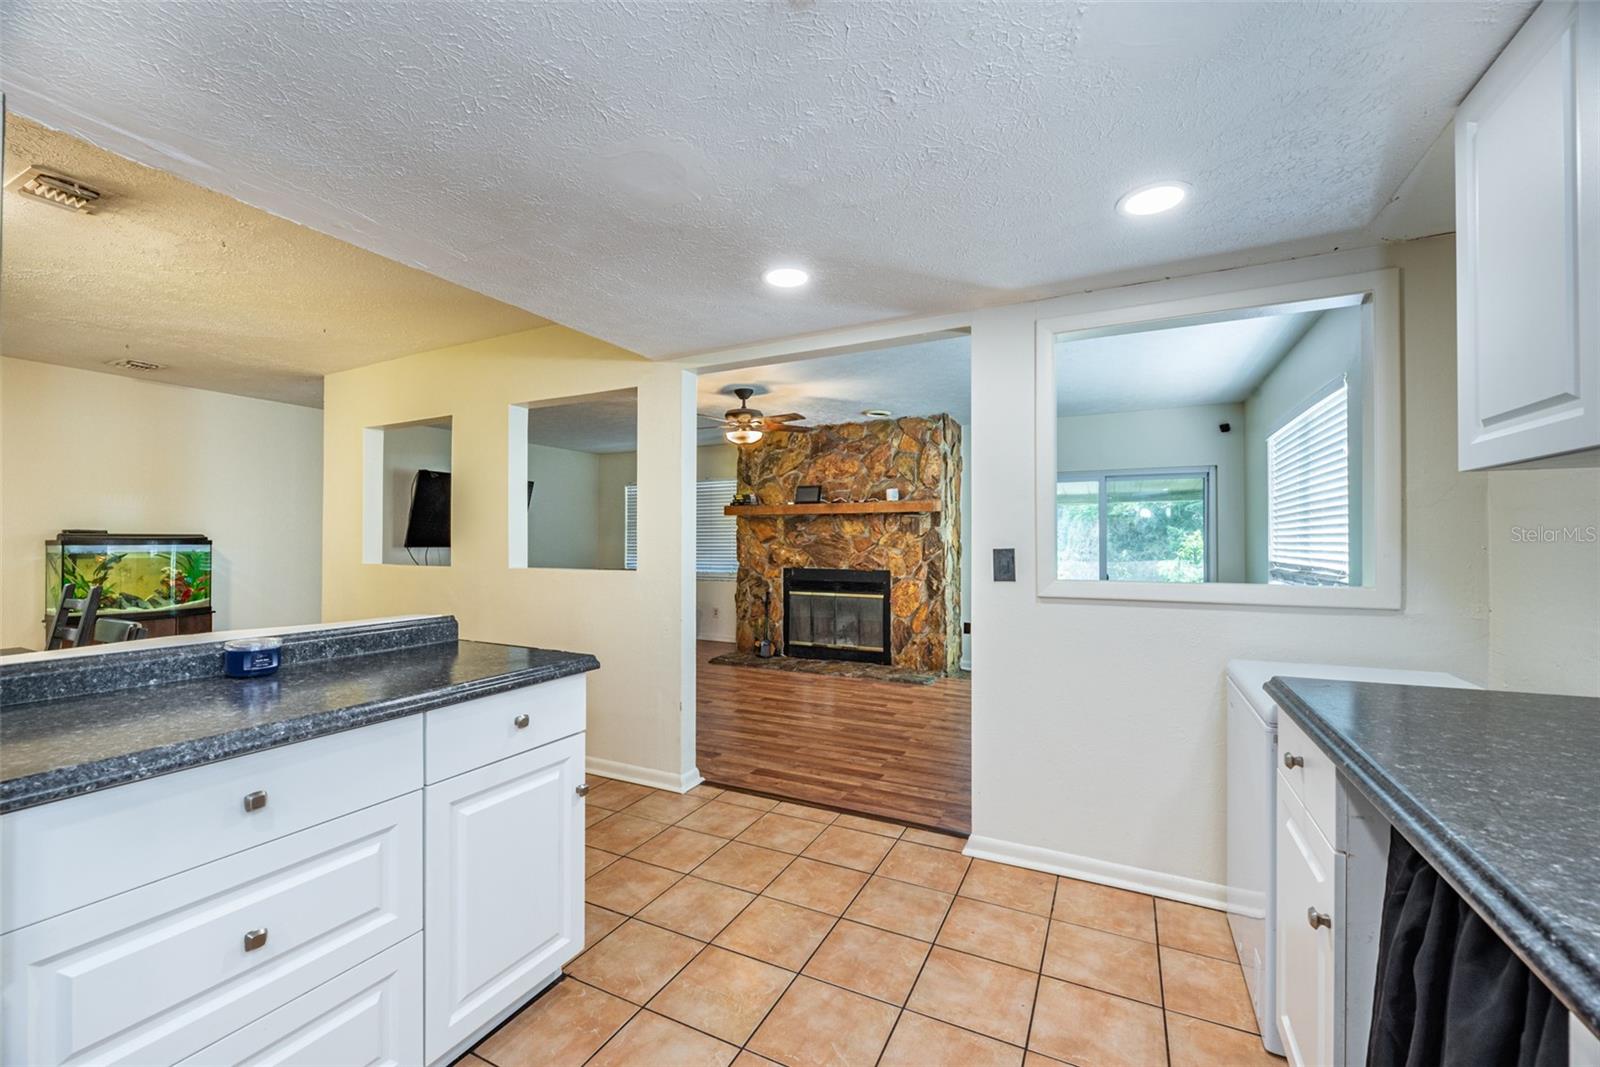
point(1528, 245)
point(158, 973)
point(369, 1015)
point(1307, 997)
point(503, 891)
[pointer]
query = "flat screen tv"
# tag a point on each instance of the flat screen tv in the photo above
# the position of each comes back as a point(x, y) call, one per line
point(429, 523)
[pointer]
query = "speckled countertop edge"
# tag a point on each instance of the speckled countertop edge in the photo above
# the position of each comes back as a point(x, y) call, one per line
point(1517, 922)
point(75, 780)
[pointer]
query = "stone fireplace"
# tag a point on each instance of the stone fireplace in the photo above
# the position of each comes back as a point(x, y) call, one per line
point(914, 555)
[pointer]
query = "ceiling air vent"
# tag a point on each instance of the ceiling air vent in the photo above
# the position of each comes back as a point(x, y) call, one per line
point(136, 364)
point(57, 190)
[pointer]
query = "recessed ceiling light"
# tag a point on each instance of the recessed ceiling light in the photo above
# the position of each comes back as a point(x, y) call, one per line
point(786, 277)
point(1153, 199)
point(877, 413)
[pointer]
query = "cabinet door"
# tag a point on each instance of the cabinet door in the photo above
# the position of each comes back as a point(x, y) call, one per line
point(503, 890)
point(1306, 994)
point(1528, 244)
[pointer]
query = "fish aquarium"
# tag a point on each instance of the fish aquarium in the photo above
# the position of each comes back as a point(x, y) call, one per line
point(138, 574)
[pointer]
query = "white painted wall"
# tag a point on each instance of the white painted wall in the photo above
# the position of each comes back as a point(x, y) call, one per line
point(1544, 580)
point(1098, 727)
point(406, 450)
point(641, 721)
point(81, 449)
point(1170, 437)
point(564, 519)
point(615, 472)
point(1331, 348)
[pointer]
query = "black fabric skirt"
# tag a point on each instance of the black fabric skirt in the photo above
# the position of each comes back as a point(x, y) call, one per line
point(1449, 991)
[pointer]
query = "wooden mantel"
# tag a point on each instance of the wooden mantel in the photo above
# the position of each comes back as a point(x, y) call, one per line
point(850, 507)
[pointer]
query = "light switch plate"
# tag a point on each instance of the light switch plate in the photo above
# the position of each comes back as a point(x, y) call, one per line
point(1005, 564)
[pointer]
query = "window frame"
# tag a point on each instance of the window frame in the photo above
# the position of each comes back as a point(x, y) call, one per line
point(1207, 474)
point(1221, 295)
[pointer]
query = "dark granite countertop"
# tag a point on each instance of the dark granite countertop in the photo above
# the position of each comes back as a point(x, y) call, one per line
point(61, 747)
point(1499, 791)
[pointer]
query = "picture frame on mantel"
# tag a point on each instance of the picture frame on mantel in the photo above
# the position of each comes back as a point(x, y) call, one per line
point(808, 494)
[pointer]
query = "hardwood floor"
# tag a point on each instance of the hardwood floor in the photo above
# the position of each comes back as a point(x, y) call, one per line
point(903, 752)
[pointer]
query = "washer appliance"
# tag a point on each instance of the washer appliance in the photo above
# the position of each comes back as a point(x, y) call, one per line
point(1252, 812)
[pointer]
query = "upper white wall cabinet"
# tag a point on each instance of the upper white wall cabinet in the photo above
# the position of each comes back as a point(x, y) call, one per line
point(1528, 244)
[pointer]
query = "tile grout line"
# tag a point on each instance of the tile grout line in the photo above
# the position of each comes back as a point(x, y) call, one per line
point(931, 946)
point(812, 955)
point(836, 920)
point(1161, 984)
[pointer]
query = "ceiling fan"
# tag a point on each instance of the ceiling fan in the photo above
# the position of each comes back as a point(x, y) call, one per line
point(744, 425)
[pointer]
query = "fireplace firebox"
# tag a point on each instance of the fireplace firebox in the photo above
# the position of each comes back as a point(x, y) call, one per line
point(836, 614)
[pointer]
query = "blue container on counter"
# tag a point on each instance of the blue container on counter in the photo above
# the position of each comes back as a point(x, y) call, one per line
point(251, 657)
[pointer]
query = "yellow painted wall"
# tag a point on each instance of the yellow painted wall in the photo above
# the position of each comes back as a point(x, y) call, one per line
point(641, 701)
point(79, 449)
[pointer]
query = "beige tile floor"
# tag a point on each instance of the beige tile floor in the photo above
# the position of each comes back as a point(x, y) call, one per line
point(724, 928)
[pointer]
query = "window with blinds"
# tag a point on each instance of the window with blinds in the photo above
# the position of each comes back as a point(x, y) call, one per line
point(716, 536)
point(1308, 495)
point(630, 528)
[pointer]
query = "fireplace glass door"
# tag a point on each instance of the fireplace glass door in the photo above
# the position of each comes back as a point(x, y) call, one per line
point(833, 614)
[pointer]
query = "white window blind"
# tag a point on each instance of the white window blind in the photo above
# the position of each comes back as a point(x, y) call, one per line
point(630, 528)
point(716, 552)
point(716, 536)
point(1308, 495)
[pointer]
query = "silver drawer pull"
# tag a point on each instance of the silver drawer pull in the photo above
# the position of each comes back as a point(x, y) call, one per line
point(521, 721)
point(1292, 762)
point(254, 939)
point(255, 801)
point(1315, 918)
point(583, 790)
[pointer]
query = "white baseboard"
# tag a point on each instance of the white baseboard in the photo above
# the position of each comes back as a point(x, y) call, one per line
point(727, 638)
point(628, 772)
point(1156, 883)
point(966, 663)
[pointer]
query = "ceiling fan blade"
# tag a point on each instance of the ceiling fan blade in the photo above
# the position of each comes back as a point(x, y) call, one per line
point(785, 428)
point(719, 420)
point(790, 417)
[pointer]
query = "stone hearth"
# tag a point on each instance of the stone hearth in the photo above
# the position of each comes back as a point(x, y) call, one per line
point(853, 462)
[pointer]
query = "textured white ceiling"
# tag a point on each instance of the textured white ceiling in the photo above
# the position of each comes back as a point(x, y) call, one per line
point(601, 422)
point(223, 296)
point(1173, 367)
point(629, 169)
point(925, 378)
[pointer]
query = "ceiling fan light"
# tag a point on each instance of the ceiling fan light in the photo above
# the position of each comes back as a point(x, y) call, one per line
point(744, 436)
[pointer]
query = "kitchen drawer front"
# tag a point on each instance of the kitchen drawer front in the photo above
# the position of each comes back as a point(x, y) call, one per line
point(1308, 929)
point(1313, 779)
point(477, 732)
point(159, 973)
point(369, 1015)
point(89, 848)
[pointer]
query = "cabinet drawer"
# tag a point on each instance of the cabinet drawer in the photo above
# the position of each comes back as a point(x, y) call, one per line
point(161, 972)
point(370, 1014)
point(475, 732)
point(1313, 779)
point(1306, 880)
point(92, 847)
